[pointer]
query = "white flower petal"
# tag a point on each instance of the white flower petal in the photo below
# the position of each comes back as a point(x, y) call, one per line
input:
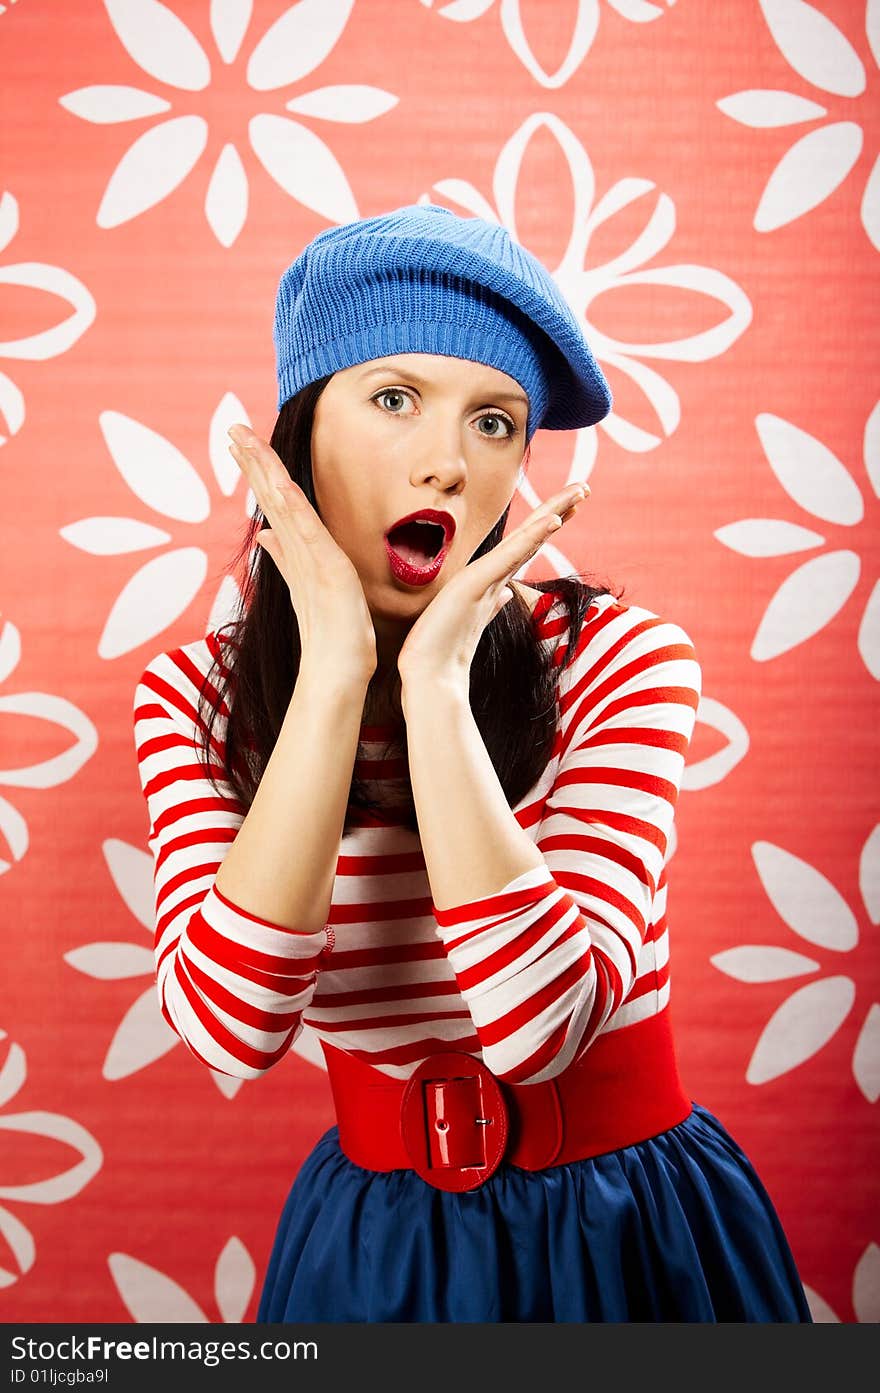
point(761, 963)
point(344, 102)
point(131, 871)
point(762, 108)
point(66, 1184)
point(586, 25)
point(155, 596)
point(640, 11)
point(226, 202)
point(21, 1244)
point(815, 47)
point(10, 653)
point(157, 472)
point(461, 191)
point(872, 28)
point(869, 874)
point(866, 1056)
point(805, 899)
point(810, 473)
point(54, 279)
point(152, 168)
point(60, 769)
point(766, 537)
point(462, 11)
point(870, 209)
point(113, 536)
point(110, 962)
point(226, 606)
point(661, 395)
point(160, 43)
point(14, 831)
point(13, 1073)
point(303, 166)
point(866, 1286)
point(871, 445)
point(8, 219)
point(712, 342)
point(649, 242)
point(506, 183)
point(142, 1036)
point(105, 105)
point(807, 174)
point(800, 1027)
point(151, 1297)
point(11, 406)
point(229, 22)
point(805, 602)
point(226, 471)
point(820, 1310)
point(630, 437)
point(713, 769)
point(586, 451)
point(297, 43)
point(234, 1280)
point(868, 639)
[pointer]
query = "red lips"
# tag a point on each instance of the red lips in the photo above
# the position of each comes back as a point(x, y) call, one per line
point(441, 518)
point(421, 542)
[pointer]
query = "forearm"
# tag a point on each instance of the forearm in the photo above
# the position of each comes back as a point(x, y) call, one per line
point(472, 843)
point(282, 864)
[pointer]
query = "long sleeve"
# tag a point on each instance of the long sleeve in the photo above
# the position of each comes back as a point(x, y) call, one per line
point(544, 964)
point(233, 986)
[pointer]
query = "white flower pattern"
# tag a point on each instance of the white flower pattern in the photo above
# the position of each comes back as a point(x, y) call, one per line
point(584, 29)
point(165, 481)
point(54, 1190)
point(806, 1020)
point(817, 164)
point(817, 481)
point(162, 157)
point(152, 1297)
point(581, 283)
point(48, 343)
point(49, 773)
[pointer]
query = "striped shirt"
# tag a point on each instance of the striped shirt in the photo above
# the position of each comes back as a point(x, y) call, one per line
point(526, 978)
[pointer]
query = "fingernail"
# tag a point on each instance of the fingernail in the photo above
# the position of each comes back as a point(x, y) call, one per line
point(241, 435)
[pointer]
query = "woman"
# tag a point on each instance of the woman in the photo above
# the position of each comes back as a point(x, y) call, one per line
point(425, 809)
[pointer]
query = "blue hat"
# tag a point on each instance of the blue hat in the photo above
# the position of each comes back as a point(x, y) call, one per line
point(421, 279)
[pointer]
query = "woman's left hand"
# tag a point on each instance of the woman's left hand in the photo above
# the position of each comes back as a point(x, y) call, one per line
point(442, 642)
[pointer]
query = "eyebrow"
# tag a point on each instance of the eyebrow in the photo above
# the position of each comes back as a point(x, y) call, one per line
point(414, 376)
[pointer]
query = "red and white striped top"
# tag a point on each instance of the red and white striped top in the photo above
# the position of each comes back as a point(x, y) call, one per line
point(526, 978)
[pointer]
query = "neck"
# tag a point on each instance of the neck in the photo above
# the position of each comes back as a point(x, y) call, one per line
point(382, 704)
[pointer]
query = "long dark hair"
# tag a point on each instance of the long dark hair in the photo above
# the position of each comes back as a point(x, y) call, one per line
point(513, 679)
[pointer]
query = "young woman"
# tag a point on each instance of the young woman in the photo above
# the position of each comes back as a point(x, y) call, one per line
point(425, 809)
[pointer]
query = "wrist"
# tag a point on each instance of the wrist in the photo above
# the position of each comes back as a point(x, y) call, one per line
point(331, 679)
point(424, 689)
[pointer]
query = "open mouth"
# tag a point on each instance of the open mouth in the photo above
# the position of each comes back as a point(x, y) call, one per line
point(417, 543)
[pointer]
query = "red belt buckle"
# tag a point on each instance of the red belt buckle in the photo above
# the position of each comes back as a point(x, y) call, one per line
point(453, 1121)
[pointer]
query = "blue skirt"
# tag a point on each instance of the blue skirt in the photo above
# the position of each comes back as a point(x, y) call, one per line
point(676, 1228)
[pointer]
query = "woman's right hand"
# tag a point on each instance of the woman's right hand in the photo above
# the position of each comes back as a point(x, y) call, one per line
point(331, 610)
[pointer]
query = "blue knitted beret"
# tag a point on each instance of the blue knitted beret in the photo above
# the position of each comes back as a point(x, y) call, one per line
point(421, 279)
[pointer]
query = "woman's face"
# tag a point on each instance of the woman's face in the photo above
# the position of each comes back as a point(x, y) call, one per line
point(406, 432)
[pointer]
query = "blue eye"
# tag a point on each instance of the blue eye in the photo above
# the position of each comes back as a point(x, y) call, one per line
point(499, 416)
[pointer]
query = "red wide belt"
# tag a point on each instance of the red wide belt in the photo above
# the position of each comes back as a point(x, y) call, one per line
point(453, 1121)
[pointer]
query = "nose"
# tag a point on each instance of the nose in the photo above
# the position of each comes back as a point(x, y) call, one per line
point(441, 460)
